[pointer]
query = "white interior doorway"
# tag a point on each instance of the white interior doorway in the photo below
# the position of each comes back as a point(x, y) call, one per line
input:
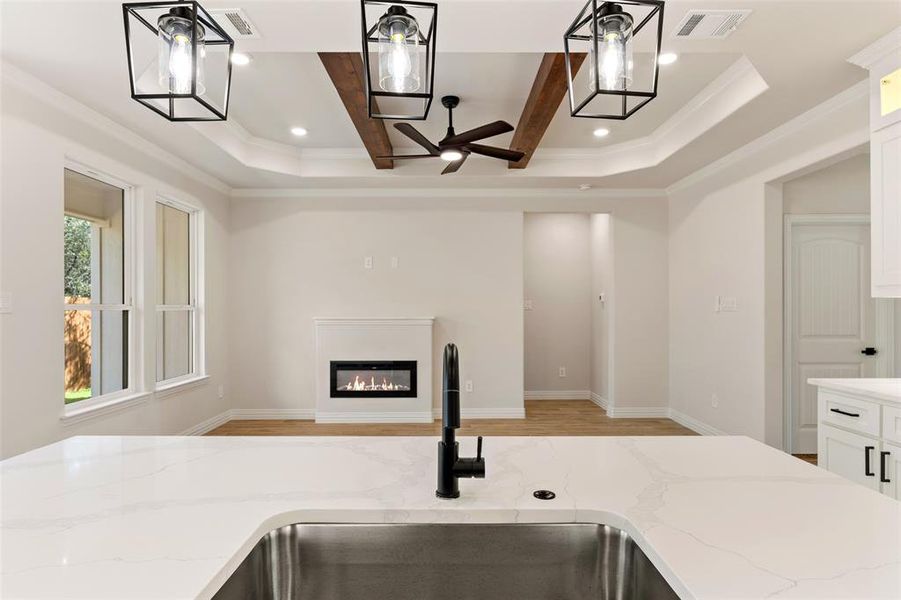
point(833, 328)
point(567, 293)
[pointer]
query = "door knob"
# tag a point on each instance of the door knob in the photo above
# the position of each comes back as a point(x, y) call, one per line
point(869, 351)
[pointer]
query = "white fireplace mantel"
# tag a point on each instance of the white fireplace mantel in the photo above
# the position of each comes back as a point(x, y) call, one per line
point(365, 339)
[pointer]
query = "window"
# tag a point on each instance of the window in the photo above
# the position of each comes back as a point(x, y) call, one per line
point(178, 348)
point(97, 289)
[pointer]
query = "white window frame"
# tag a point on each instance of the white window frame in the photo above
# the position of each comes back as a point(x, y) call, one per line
point(195, 291)
point(134, 391)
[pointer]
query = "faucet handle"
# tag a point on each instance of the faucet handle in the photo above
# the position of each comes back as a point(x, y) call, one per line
point(479, 449)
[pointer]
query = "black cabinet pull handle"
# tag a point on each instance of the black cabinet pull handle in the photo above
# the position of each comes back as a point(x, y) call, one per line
point(882, 467)
point(841, 412)
point(869, 351)
point(866, 460)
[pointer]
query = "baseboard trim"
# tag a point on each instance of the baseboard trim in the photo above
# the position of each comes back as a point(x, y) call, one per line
point(209, 424)
point(600, 401)
point(258, 414)
point(374, 417)
point(638, 412)
point(693, 424)
point(558, 395)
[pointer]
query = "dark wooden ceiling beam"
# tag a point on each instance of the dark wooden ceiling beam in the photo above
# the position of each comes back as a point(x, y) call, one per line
point(346, 72)
point(547, 92)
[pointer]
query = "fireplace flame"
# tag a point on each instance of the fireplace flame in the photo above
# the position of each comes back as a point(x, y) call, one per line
point(361, 385)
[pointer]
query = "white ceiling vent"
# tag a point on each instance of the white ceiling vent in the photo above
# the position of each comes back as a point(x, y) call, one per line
point(235, 23)
point(706, 24)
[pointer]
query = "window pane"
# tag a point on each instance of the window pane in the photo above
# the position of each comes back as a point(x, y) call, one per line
point(95, 351)
point(173, 256)
point(175, 343)
point(94, 247)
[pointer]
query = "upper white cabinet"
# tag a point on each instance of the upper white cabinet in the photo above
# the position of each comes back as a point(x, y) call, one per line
point(883, 60)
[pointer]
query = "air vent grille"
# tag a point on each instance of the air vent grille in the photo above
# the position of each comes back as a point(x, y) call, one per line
point(710, 24)
point(235, 22)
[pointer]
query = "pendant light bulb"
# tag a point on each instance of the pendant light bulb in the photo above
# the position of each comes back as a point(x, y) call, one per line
point(611, 67)
point(398, 51)
point(176, 52)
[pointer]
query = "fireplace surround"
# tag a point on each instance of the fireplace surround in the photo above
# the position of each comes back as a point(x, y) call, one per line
point(366, 355)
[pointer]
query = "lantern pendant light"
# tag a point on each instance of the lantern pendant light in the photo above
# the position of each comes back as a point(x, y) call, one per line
point(616, 80)
point(402, 36)
point(179, 60)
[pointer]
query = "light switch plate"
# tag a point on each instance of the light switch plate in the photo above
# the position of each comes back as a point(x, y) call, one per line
point(527, 305)
point(394, 262)
point(468, 385)
point(6, 302)
point(367, 262)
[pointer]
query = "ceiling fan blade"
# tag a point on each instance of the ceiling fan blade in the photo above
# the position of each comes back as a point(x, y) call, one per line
point(403, 156)
point(454, 166)
point(485, 131)
point(494, 152)
point(411, 132)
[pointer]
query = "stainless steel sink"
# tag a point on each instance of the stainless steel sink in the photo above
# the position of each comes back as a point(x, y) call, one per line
point(454, 562)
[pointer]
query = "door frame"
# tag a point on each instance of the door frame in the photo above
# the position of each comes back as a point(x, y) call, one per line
point(790, 221)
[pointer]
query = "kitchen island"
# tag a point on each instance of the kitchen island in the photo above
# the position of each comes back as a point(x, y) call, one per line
point(172, 517)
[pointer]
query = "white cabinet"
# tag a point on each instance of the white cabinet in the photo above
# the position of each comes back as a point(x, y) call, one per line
point(890, 458)
point(883, 60)
point(851, 455)
point(885, 211)
point(859, 431)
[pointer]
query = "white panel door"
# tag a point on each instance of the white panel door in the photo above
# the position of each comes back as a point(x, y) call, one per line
point(850, 455)
point(832, 317)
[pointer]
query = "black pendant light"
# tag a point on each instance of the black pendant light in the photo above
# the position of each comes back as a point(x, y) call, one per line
point(179, 60)
point(616, 78)
point(399, 58)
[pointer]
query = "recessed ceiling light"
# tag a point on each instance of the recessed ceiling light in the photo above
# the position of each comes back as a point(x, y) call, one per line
point(299, 131)
point(240, 59)
point(667, 58)
point(601, 132)
point(451, 155)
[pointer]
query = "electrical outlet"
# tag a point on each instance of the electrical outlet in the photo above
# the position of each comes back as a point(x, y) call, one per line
point(394, 262)
point(714, 401)
point(562, 372)
point(468, 385)
point(221, 392)
point(367, 262)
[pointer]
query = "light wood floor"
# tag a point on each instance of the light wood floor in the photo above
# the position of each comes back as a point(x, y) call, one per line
point(543, 417)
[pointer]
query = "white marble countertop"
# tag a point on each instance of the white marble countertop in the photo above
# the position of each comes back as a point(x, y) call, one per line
point(878, 389)
point(172, 517)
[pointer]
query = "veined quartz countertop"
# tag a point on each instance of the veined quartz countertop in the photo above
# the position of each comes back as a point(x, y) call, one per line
point(171, 517)
point(879, 389)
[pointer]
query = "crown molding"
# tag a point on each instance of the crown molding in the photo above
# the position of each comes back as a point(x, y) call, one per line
point(430, 193)
point(823, 110)
point(875, 52)
point(81, 112)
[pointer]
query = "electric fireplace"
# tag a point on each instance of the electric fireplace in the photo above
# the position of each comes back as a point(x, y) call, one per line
point(373, 379)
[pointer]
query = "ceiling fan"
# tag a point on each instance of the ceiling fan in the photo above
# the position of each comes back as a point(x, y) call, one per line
point(455, 147)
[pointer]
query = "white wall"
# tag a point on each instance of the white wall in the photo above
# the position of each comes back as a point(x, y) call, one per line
point(294, 256)
point(840, 188)
point(725, 234)
point(289, 265)
point(37, 137)
point(557, 282)
point(601, 283)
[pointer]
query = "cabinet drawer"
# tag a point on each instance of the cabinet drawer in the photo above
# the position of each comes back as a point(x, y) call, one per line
point(851, 413)
point(891, 424)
